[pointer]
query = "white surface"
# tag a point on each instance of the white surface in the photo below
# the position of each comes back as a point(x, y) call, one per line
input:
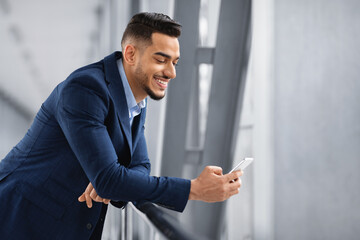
point(243, 164)
point(42, 42)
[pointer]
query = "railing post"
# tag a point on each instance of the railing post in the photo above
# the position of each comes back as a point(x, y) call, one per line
point(123, 225)
point(128, 223)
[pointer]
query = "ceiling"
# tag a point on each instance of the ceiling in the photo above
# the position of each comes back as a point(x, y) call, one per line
point(41, 43)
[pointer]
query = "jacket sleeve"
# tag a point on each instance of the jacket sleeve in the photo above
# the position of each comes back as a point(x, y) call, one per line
point(140, 160)
point(82, 110)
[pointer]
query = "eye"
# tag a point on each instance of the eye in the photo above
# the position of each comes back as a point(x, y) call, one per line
point(160, 60)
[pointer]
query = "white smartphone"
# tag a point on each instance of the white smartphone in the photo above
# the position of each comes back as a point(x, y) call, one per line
point(243, 164)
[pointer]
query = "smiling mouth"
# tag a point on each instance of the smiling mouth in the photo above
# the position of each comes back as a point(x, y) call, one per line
point(161, 83)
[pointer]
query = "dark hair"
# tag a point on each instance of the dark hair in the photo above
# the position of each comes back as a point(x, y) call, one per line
point(143, 25)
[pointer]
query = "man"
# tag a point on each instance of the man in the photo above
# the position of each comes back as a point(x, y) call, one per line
point(89, 134)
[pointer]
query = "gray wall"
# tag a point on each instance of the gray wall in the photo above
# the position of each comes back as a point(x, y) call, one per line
point(316, 118)
point(13, 127)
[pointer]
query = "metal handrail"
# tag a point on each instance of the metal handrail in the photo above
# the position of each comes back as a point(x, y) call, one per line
point(167, 225)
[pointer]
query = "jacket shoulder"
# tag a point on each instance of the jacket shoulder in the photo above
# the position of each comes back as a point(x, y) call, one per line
point(94, 71)
point(90, 77)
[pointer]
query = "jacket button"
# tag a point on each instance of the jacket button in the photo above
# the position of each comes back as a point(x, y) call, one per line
point(88, 226)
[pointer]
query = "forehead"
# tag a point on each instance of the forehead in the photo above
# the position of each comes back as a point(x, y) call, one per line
point(166, 44)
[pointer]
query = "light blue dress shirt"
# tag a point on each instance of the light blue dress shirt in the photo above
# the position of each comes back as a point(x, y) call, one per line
point(133, 107)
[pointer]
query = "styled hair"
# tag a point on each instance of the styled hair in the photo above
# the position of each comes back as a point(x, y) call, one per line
point(143, 25)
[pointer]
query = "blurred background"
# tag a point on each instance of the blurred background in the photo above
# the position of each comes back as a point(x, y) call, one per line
point(277, 80)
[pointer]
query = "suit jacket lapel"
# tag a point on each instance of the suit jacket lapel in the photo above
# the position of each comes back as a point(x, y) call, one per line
point(117, 92)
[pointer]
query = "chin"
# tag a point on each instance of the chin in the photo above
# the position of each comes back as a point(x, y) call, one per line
point(155, 96)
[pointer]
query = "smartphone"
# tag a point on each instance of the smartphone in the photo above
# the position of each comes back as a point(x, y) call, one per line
point(243, 164)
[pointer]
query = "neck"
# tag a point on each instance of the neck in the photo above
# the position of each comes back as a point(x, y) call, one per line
point(136, 89)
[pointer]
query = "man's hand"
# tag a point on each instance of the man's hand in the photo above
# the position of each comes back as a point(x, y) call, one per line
point(90, 194)
point(212, 186)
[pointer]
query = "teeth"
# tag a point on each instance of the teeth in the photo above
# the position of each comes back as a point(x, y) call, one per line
point(162, 82)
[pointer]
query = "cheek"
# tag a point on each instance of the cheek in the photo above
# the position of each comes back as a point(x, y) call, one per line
point(153, 68)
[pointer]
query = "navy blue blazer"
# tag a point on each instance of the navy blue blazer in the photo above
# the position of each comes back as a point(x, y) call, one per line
point(80, 134)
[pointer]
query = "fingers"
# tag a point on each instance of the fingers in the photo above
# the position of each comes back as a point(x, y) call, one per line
point(97, 198)
point(234, 192)
point(233, 188)
point(234, 175)
point(235, 185)
point(215, 169)
point(90, 195)
point(88, 200)
point(81, 198)
point(87, 192)
point(94, 196)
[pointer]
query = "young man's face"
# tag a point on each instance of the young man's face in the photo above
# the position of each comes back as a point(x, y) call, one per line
point(156, 66)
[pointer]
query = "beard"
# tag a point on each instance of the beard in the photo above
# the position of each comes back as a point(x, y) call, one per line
point(142, 79)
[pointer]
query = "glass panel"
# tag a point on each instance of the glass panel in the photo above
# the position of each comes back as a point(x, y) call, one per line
point(208, 22)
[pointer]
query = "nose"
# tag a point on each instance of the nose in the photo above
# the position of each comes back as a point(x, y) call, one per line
point(170, 71)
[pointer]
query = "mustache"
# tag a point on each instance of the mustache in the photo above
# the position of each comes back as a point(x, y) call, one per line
point(163, 76)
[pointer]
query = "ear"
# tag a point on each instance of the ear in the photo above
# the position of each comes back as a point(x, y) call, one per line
point(129, 54)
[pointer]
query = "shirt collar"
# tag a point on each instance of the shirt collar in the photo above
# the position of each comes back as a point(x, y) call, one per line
point(133, 107)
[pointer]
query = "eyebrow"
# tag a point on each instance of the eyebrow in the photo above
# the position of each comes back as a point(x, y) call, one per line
point(165, 55)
